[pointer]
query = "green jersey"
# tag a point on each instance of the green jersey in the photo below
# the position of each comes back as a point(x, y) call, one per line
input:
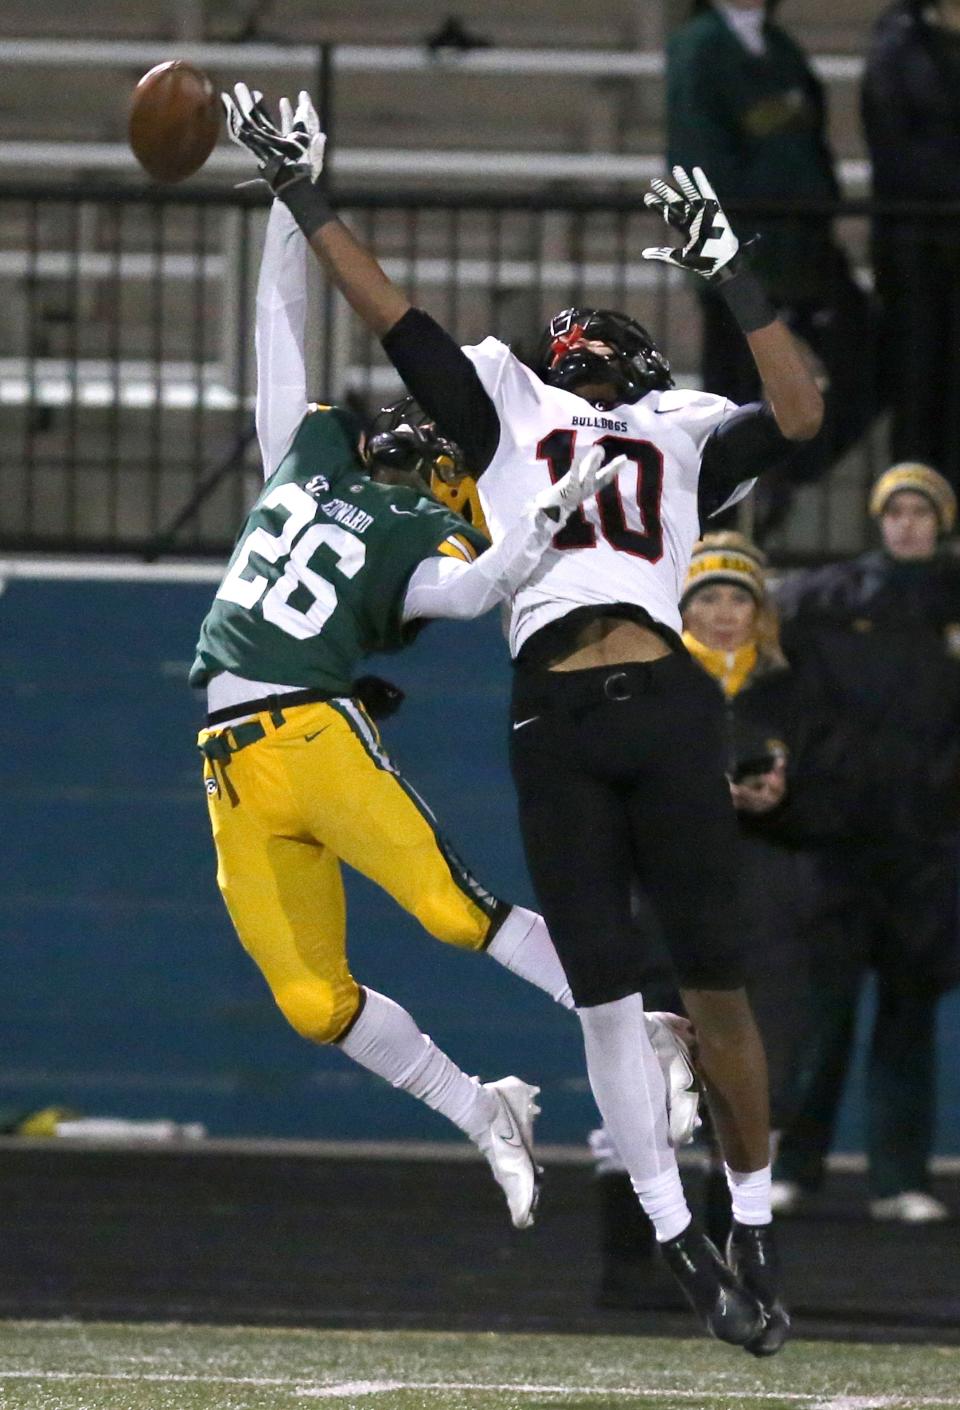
point(319, 572)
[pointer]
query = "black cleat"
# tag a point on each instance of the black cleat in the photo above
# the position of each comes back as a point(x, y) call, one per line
point(752, 1254)
point(727, 1311)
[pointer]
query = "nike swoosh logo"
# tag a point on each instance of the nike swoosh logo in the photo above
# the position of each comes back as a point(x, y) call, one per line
point(511, 1136)
point(412, 512)
point(520, 723)
point(307, 737)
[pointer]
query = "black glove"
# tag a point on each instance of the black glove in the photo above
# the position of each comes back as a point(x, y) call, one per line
point(709, 244)
point(378, 697)
point(710, 248)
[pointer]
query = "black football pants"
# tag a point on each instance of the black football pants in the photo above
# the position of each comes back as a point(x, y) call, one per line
point(620, 783)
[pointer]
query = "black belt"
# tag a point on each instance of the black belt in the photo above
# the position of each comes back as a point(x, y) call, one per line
point(276, 704)
point(220, 748)
point(579, 691)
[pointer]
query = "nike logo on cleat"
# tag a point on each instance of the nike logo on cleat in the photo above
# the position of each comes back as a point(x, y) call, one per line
point(511, 1136)
point(520, 723)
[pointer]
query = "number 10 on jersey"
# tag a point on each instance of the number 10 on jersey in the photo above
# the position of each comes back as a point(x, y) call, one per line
point(557, 449)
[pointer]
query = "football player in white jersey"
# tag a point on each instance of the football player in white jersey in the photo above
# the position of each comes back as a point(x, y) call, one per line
point(616, 735)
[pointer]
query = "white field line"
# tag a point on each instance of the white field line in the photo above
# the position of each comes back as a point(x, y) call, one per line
point(342, 1390)
point(869, 1402)
point(857, 1402)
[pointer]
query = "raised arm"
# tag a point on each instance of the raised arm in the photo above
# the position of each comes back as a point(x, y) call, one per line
point(433, 367)
point(711, 250)
point(437, 372)
point(788, 380)
point(280, 333)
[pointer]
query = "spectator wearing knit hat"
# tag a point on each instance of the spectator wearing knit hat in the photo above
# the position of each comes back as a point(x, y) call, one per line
point(783, 802)
point(880, 638)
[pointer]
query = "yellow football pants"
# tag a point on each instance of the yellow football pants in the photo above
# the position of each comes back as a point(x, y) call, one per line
point(315, 790)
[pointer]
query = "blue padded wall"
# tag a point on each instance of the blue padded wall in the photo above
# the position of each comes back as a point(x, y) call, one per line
point(122, 988)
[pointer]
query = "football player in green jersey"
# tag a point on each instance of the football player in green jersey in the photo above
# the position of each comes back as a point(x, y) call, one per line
point(330, 565)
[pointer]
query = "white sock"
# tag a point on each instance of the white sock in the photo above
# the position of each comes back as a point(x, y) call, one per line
point(385, 1040)
point(664, 1204)
point(629, 1089)
point(750, 1195)
point(523, 945)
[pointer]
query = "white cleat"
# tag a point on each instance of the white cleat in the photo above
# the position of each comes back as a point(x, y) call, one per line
point(683, 1088)
point(508, 1146)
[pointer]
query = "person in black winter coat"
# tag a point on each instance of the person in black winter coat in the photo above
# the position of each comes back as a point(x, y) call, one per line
point(744, 103)
point(782, 800)
point(911, 117)
point(880, 637)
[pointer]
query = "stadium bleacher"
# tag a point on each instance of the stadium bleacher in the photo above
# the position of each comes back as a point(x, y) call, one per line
point(486, 101)
point(566, 103)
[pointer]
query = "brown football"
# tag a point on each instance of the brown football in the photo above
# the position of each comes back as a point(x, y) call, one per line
point(174, 120)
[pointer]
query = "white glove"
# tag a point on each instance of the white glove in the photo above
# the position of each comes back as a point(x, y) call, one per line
point(578, 484)
point(285, 154)
point(710, 246)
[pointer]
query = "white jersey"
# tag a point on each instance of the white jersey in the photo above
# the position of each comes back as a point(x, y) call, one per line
point(634, 541)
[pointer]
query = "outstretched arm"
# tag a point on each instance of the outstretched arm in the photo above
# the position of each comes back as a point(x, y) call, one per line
point(442, 586)
point(788, 381)
point(358, 276)
point(443, 380)
point(280, 331)
point(433, 367)
point(711, 250)
point(290, 158)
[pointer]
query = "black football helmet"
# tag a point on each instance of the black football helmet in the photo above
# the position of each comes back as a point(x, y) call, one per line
point(404, 447)
point(635, 366)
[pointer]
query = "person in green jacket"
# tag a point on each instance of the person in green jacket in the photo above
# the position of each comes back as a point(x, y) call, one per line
point(744, 103)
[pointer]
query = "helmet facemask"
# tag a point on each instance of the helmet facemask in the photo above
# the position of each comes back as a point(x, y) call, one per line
point(633, 367)
point(405, 448)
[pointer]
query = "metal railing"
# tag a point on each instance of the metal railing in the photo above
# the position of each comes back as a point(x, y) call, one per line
point(126, 343)
point(370, 58)
point(321, 66)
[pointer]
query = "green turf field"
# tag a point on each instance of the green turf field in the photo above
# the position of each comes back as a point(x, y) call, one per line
point(57, 1366)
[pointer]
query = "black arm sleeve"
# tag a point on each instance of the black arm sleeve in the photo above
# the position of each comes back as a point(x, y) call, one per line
point(746, 443)
point(445, 383)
